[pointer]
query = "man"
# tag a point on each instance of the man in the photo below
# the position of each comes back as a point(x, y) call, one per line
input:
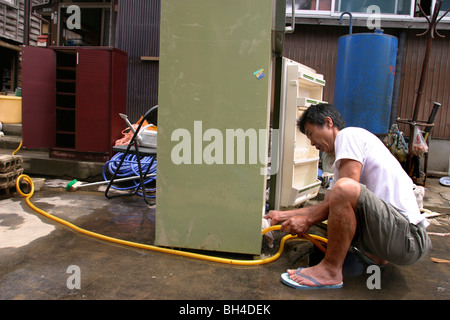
point(370, 203)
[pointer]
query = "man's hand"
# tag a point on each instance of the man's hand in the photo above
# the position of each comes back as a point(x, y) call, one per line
point(274, 217)
point(297, 225)
point(277, 217)
point(298, 221)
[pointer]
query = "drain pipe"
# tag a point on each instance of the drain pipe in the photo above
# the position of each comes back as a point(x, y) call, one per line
point(26, 22)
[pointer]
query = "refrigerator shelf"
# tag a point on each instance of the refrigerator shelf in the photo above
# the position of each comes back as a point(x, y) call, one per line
point(299, 196)
point(305, 161)
point(306, 102)
point(310, 80)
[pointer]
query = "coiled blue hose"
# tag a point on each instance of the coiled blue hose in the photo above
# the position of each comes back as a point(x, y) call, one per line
point(130, 168)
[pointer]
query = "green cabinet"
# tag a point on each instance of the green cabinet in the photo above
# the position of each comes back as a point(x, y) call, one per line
point(213, 126)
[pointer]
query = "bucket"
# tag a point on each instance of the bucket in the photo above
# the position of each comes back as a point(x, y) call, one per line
point(11, 109)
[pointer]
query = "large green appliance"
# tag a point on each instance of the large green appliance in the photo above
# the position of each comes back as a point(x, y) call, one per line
point(216, 83)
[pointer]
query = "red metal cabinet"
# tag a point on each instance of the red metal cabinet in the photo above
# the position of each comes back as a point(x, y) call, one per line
point(72, 98)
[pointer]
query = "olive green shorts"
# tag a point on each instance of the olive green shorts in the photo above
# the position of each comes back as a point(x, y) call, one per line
point(382, 231)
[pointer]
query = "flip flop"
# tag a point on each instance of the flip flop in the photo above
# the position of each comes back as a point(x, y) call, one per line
point(291, 283)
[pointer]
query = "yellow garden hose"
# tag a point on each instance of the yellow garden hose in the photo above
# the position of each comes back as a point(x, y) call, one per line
point(313, 238)
point(17, 150)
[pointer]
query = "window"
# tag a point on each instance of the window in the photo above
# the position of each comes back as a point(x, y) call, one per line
point(400, 7)
point(310, 6)
point(387, 8)
point(11, 2)
point(445, 6)
point(315, 5)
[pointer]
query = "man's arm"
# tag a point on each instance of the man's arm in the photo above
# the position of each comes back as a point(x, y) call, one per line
point(350, 169)
point(300, 220)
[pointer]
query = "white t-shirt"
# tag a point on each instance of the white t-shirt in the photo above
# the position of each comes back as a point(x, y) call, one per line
point(381, 172)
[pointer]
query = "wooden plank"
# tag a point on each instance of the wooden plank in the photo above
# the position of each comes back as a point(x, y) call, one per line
point(144, 58)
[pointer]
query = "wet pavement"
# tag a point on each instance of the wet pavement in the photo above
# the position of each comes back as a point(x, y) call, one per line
point(37, 255)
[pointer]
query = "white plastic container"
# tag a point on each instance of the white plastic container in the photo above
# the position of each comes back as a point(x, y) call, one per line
point(148, 138)
point(297, 179)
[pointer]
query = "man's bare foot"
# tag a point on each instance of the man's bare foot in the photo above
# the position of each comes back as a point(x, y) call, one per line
point(321, 274)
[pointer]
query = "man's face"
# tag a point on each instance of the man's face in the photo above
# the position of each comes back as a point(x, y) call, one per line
point(321, 137)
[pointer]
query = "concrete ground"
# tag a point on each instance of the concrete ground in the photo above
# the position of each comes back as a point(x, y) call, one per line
point(37, 256)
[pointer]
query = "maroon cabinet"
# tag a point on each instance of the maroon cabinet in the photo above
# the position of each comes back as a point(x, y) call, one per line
point(71, 100)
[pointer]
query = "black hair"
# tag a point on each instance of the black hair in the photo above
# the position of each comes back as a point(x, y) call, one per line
point(316, 114)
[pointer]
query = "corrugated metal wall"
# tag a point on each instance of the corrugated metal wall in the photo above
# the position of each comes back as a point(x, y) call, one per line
point(316, 47)
point(138, 34)
point(437, 85)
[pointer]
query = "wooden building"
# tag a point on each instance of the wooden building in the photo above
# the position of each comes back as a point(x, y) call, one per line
point(17, 27)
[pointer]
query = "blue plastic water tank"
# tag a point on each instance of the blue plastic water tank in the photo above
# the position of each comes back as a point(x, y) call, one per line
point(364, 80)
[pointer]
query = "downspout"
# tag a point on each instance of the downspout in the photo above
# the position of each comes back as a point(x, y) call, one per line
point(32, 10)
point(26, 22)
point(28, 8)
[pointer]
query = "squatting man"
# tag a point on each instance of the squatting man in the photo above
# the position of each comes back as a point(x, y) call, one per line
point(370, 204)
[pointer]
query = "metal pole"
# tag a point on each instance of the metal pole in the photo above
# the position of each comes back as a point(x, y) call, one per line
point(431, 31)
point(422, 79)
point(26, 23)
